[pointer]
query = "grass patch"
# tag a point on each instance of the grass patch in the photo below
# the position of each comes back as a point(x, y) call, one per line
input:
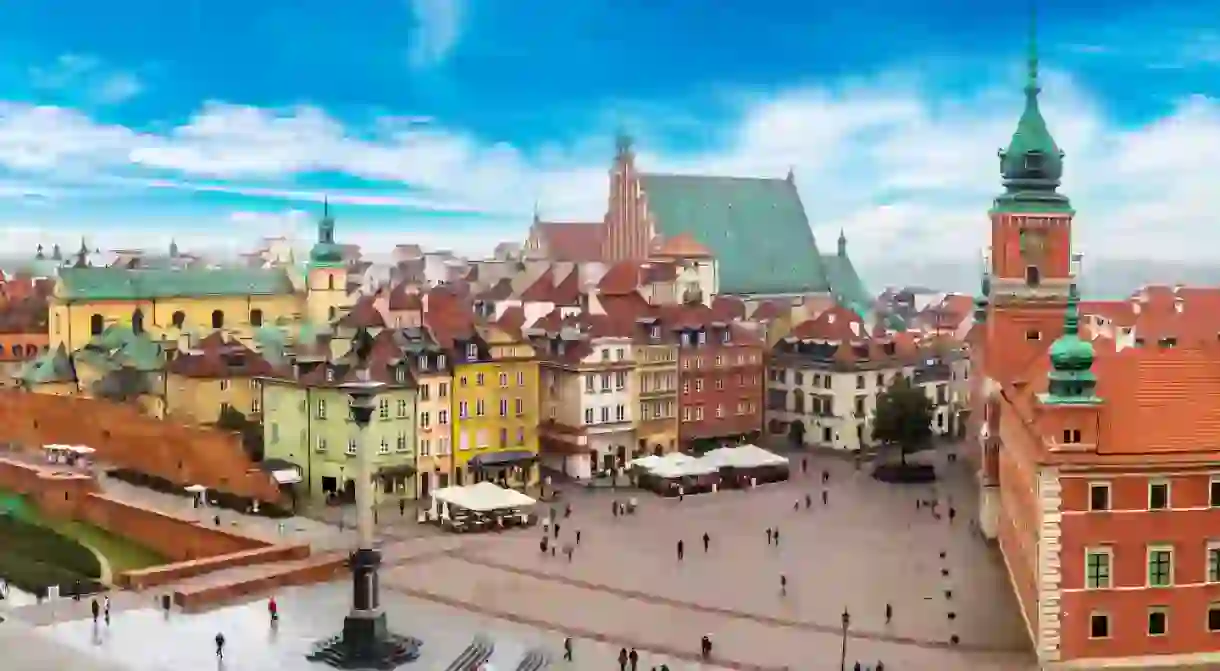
point(34, 558)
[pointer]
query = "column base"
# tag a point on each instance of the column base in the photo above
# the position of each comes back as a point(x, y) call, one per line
point(366, 643)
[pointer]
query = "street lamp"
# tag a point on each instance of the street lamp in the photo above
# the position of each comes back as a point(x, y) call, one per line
point(365, 641)
point(843, 651)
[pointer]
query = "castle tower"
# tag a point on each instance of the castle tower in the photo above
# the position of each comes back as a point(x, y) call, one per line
point(1030, 259)
point(326, 274)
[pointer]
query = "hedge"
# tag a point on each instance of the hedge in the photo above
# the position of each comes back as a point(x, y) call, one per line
point(224, 500)
point(33, 576)
point(46, 546)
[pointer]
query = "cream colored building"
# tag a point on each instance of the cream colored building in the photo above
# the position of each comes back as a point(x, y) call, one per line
point(656, 390)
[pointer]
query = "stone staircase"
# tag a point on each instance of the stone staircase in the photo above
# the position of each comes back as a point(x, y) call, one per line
point(237, 583)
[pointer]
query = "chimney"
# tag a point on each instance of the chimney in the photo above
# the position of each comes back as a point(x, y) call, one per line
point(1178, 304)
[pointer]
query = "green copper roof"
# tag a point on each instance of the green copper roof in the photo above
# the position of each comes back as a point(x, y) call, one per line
point(845, 283)
point(1032, 165)
point(756, 228)
point(325, 251)
point(119, 347)
point(51, 366)
point(97, 284)
point(1071, 379)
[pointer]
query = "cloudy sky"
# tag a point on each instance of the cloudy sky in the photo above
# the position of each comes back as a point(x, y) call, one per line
point(442, 122)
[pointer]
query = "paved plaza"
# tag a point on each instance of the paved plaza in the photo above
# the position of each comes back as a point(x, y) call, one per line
point(625, 587)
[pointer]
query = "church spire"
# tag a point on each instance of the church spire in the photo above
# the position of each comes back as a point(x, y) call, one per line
point(842, 243)
point(325, 251)
point(1032, 165)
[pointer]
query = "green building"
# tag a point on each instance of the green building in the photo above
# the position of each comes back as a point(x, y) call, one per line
point(307, 422)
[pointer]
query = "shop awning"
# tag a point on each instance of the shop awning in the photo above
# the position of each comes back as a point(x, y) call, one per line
point(284, 472)
point(396, 471)
point(506, 458)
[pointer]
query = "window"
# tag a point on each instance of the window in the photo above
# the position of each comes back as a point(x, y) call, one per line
point(698, 413)
point(504, 407)
point(1213, 617)
point(719, 411)
point(425, 420)
point(472, 352)
point(605, 382)
point(620, 413)
point(480, 408)
point(464, 441)
point(478, 379)
point(351, 446)
point(256, 317)
point(321, 444)
point(423, 363)
point(503, 438)
point(1158, 495)
point(178, 319)
point(685, 387)
point(383, 408)
point(402, 408)
point(480, 438)
point(1071, 436)
point(503, 380)
point(520, 378)
point(1213, 493)
point(218, 319)
point(1099, 496)
point(425, 447)
point(860, 382)
point(224, 385)
point(442, 417)
point(686, 414)
point(442, 390)
point(698, 386)
point(1213, 562)
point(605, 414)
point(1033, 334)
point(1099, 625)
point(1097, 568)
point(518, 407)
point(97, 324)
point(605, 354)
point(588, 415)
point(463, 409)
point(1158, 621)
point(619, 354)
point(1160, 567)
point(255, 406)
point(719, 384)
point(520, 435)
point(440, 362)
point(384, 447)
point(321, 409)
point(462, 381)
point(719, 361)
point(620, 380)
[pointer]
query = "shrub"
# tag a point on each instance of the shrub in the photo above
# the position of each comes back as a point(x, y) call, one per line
point(905, 474)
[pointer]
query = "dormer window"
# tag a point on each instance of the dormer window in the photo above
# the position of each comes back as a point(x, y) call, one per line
point(1034, 160)
point(702, 338)
point(423, 363)
point(726, 336)
point(400, 375)
point(655, 333)
point(330, 375)
point(686, 340)
point(472, 352)
point(440, 362)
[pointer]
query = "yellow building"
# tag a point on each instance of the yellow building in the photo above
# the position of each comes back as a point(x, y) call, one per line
point(215, 382)
point(494, 401)
point(656, 389)
point(165, 303)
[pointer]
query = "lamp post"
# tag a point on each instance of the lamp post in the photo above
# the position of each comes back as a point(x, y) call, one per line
point(365, 641)
point(843, 650)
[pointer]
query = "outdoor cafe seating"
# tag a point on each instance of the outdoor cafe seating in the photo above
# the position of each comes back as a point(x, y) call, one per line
point(483, 506)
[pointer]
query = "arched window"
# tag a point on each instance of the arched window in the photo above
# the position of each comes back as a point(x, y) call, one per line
point(96, 324)
point(1033, 277)
point(218, 319)
point(137, 321)
point(330, 282)
point(17, 350)
point(31, 350)
point(178, 319)
point(256, 317)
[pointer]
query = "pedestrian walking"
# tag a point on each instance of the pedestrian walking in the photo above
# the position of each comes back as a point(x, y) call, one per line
point(775, 534)
point(825, 497)
point(106, 609)
point(889, 613)
point(273, 611)
point(804, 465)
point(825, 477)
point(568, 550)
point(567, 510)
point(622, 659)
point(614, 508)
point(880, 665)
point(543, 543)
point(768, 535)
point(567, 649)
point(858, 667)
point(220, 645)
point(556, 530)
point(97, 610)
point(705, 647)
point(796, 505)
point(681, 550)
point(707, 542)
point(402, 507)
point(952, 514)
point(634, 658)
point(808, 502)
point(216, 520)
point(783, 585)
point(578, 536)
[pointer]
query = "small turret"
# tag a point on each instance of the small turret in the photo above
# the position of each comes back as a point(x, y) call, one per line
point(56, 253)
point(38, 253)
point(173, 249)
point(842, 243)
point(1071, 379)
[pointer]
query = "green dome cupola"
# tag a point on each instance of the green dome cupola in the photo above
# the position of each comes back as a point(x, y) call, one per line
point(325, 251)
point(1032, 165)
point(1071, 379)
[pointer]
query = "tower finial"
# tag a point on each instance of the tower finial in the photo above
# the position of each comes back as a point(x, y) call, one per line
point(1032, 83)
point(1071, 318)
point(842, 242)
point(325, 207)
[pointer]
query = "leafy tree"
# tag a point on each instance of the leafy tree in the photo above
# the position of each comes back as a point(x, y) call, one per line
point(122, 385)
point(232, 419)
point(903, 417)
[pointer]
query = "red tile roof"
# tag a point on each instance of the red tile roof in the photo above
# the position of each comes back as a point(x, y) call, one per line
point(571, 241)
point(364, 314)
point(218, 358)
point(680, 246)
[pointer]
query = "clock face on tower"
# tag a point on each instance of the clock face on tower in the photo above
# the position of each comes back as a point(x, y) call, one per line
point(1033, 244)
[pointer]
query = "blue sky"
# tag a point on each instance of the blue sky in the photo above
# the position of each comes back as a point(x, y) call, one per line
point(444, 121)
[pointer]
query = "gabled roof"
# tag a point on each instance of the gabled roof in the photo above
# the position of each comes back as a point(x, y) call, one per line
point(756, 229)
point(571, 241)
point(218, 358)
point(680, 246)
point(364, 314)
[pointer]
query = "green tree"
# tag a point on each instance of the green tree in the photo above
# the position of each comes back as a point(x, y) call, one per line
point(232, 419)
point(903, 418)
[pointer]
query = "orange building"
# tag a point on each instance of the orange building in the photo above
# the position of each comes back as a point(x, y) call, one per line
point(1099, 454)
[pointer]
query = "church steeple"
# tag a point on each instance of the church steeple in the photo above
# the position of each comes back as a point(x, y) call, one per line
point(325, 251)
point(842, 243)
point(1071, 379)
point(1032, 165)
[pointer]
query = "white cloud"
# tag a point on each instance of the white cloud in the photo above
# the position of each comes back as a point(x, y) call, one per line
point(87, 78)
point(437, 30)
point(901, 170)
